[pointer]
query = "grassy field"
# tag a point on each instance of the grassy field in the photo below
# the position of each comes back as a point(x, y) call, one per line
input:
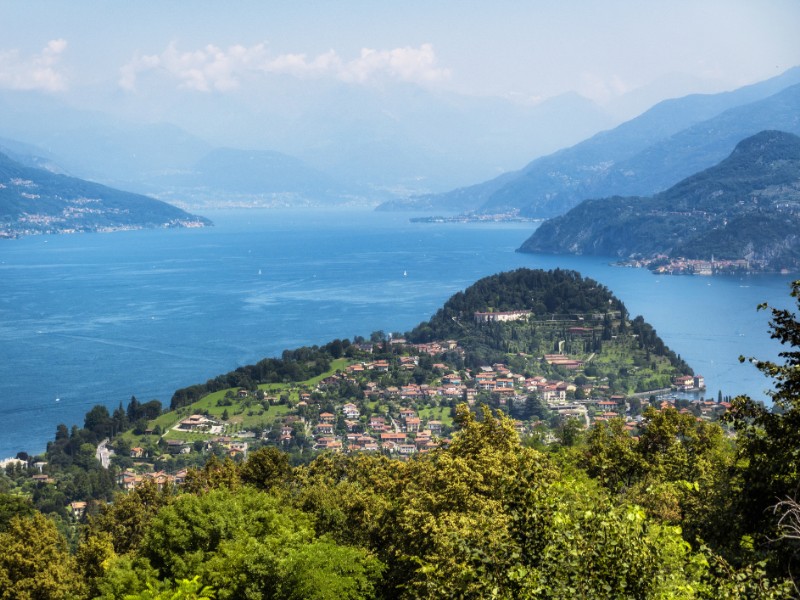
point(437, 413)
point(243, 413)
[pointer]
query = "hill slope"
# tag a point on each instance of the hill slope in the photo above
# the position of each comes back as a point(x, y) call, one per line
point(34, 200)
point(746, 207)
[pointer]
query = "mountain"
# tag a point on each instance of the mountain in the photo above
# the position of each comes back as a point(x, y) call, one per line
point(34, 200)
point(745, 208)
point(30, 156)
point(643, 156)
point(389, 140)
point(97, 146)
point(255, 177)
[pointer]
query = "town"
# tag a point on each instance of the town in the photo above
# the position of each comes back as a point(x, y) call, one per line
point(396, 398)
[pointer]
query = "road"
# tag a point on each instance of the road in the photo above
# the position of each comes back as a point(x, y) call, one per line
point(103, 454)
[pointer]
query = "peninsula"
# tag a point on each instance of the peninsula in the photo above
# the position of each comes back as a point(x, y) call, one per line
point(35, 201)
point(741, 215)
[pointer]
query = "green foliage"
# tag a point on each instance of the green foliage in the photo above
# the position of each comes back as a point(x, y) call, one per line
point(13, 506)
point(294, 365)
point(127, 520)
point(266, 468)
point(767, 442)
point(249, 544)
point(35, 563)
point(186, 589)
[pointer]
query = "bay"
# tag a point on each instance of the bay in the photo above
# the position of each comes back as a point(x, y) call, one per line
point(96, 318)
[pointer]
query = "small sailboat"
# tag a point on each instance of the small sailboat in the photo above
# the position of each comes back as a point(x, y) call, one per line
point(405, 273)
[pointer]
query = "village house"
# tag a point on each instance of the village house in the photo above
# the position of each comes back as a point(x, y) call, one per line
point(499, 317)
point(503, 383)
point(351, 411)
point(412, 424)
point(411, 392)
point(198, 423)
point(237, 448)
point(406, 449)
point(451, 379)
point(393, 437)
point(329, 443)
point(127, 480)
point(178, 447)
point(552, 395)
point(377, 423)
point(324, 429)
point(405, 413)
point(78, 509)
point(160, 478)
point(563, 361)
point(435, 427)
point(409, 362)
point(180, 477)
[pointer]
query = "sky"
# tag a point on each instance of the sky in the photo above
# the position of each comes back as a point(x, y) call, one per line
point(149, 59)
point(528, 50)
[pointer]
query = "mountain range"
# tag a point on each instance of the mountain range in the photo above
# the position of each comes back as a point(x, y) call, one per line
point(746, 208)
point(376, 143)
point(387, 146)
point(642, 156)
point(36, 200)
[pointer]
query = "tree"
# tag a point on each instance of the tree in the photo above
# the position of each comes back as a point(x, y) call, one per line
point(266, 468)
point(35, 563)
point(768, 440)
point(569, 431)
point(13, 506)
point(611, 455)
point(248, 544)
point(185, 589)
point(98, 421)
point(127, 519)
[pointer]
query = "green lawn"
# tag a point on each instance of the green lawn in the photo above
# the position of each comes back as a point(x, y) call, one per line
point(438, 413)
point(243, 412)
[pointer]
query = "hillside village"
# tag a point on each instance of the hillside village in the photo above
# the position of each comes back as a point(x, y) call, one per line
point(379, 401)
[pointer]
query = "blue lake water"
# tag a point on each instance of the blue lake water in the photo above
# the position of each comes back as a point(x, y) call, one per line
point(96, 318)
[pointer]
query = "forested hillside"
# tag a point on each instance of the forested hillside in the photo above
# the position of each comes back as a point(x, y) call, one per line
point(34, 200)
point(745, 208)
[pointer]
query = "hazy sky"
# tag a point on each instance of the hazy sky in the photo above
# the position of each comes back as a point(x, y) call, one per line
point(511, 48)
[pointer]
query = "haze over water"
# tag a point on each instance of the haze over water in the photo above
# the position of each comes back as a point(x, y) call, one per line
point(88, 319)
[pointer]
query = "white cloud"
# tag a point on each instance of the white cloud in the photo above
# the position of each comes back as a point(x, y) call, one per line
point(37, 72)
point(214, 69)
point(603, 89)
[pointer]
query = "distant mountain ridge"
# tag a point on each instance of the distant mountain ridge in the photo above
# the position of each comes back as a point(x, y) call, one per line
point(255, 178)
point(645, 155)
point(34, 200)
point(746, 207)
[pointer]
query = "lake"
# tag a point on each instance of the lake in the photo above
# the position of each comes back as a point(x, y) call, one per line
point(96, 318)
